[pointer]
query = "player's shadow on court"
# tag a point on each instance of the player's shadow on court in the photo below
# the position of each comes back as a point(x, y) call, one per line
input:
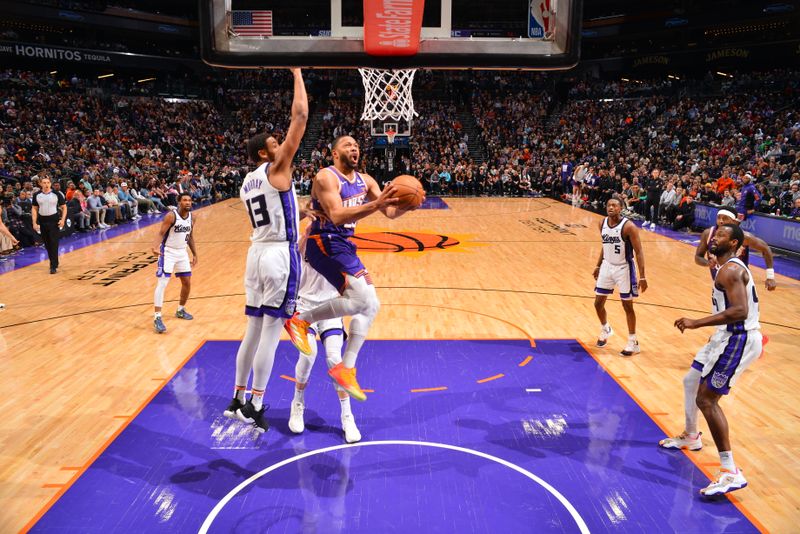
point(597, 453)
point(314, 422)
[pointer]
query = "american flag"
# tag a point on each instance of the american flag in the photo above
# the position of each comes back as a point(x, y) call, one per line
point(252, 23)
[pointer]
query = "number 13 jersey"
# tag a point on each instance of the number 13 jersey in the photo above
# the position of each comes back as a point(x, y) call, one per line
point(273, 214)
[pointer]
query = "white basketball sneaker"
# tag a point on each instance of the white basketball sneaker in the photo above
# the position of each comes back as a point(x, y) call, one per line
point(351, 433)
point(631, 348)
point(296, 423)
point(605, 333)
point(726, 482)
point(684, 441)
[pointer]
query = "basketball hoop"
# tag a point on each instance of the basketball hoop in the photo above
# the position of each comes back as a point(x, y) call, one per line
point(390, 136)
point(387, 94)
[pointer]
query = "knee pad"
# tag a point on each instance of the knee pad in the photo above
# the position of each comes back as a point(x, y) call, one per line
point(363, 296)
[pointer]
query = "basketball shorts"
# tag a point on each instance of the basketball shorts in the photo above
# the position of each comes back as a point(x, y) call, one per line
point(334, 257)
point(620, 276)
point(174, 261)
point(272, 279)
point(725, 357)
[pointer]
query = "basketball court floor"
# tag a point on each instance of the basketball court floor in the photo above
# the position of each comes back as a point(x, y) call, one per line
point(489, 407)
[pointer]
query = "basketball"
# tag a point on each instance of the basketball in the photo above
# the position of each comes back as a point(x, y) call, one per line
point(410, 194)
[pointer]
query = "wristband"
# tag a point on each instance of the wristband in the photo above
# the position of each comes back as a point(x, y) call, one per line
point(770, 274)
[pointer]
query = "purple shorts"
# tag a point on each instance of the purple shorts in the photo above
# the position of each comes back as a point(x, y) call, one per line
point(334, 257)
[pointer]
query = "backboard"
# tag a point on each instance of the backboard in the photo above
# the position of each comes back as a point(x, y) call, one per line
point(455, 34)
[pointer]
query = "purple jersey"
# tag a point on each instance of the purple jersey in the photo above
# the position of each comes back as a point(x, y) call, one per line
point(353, 194)
point(329, 251)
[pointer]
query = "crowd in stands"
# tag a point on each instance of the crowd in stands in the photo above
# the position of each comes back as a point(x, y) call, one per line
point(117, 151)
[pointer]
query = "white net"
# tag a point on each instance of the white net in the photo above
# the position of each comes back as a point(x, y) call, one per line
point(387, 94)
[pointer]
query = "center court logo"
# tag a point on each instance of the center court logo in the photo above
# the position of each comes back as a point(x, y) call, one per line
point(402, 242)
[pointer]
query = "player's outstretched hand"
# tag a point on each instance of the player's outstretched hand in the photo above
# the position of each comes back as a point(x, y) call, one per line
point(684, 323)
point(642, 285)
point(596, 272)
point(296, 70)
point(156, 251)
point(194, 261)
point(307, 211)
point(771, 284)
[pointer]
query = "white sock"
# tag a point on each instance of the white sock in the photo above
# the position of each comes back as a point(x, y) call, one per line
point(156, 315)
point(299, 396)
point(726, 461)
point(180, 308)
point(632, 337)
point(238, 392)
point(257, 398)
point(691, 382)
point(345, 405)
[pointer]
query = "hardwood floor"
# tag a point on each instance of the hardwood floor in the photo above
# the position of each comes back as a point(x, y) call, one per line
point(79, 355)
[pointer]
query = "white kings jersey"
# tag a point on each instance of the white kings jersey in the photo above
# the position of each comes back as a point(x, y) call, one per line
point(617, 250)
point(719, 302)
point(178, 234)
point(273, 214)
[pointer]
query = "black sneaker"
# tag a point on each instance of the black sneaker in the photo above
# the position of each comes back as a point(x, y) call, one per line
point(249, 414)
point(230, 411)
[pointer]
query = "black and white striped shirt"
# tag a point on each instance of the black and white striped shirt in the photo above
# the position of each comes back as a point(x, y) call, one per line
point(48, 203)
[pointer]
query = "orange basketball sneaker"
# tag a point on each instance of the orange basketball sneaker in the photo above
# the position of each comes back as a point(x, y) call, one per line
point(298, 333)
point(347, 379)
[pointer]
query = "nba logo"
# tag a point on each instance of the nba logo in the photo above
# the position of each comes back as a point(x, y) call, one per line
point(539, 18)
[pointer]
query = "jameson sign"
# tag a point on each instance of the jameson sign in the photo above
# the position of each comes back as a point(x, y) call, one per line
point(650, 60)
point(33, 51)
point(740, 53)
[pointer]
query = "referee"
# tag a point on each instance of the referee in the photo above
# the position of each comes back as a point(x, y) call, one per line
point(45, 214)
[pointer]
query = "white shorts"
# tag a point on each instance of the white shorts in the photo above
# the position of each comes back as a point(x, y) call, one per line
point(174, 261)
point(314, 290)
point(725, 357)
point(272, 279)
point(621, 276)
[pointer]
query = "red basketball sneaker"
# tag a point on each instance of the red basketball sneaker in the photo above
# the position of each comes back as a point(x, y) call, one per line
point(347, 379)
point(298, 333)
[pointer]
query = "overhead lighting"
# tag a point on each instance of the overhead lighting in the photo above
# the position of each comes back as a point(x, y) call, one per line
point(673, 77)
point(53, 72)
point(725, 74)
point(105, 76)
point(625, 80)
point(145, 80)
